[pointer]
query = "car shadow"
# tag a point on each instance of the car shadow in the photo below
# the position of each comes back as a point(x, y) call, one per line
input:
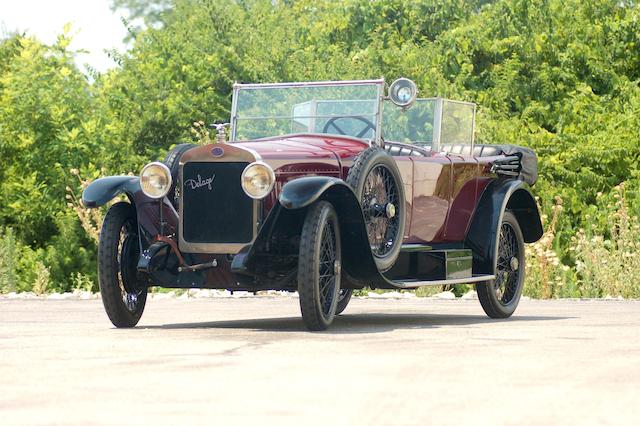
point(356, 323)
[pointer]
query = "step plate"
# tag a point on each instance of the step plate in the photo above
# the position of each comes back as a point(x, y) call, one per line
point(416, 284)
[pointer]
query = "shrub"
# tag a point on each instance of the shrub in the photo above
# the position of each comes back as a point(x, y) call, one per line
point(609, 265)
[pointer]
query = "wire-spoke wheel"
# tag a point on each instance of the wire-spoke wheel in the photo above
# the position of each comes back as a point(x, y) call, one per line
point(343, 299)
point(123, 297)
point(319, 266)
point(500, 297)
point(376, 182)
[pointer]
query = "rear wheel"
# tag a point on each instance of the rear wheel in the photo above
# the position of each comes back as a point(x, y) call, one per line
point(319, 266)
point(377, 183)
point(123, 296)
point(500, 297)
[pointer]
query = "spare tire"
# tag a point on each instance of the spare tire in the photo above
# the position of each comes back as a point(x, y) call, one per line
point(377, 183)
point(172, 161)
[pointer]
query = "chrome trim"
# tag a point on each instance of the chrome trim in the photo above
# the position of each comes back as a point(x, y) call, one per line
point(414, 96)
point(437, 125)
point(416, 284)
point(308, 83)
point(217, 248)
point(272, 176)
point(378, 140)
point(234, 112)
point(378, 113)
point(473, 128)
point(169, 178)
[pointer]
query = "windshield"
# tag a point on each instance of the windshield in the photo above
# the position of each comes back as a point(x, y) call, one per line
point(414, 125)
point(350, 108)
point(343, 108)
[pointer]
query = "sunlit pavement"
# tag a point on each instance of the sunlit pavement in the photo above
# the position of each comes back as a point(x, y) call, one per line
point(250, 360)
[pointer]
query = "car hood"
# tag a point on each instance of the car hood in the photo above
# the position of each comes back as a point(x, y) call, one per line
point(305, 147)
point(290, 156)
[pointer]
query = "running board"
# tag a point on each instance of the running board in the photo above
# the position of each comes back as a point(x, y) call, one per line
point(416, 284)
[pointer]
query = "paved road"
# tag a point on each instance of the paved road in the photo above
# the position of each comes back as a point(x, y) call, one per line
point(238, 361)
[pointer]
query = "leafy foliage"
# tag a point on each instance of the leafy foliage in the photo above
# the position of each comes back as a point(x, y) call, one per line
point(560, 76)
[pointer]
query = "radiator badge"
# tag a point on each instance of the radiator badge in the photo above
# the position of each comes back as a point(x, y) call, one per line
point(195, 184)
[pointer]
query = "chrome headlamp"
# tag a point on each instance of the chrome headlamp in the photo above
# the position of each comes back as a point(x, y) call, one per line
point(155, 180)
point(403, 92)
point(258, 179)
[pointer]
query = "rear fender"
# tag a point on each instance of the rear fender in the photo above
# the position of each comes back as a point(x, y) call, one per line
point(483, 234)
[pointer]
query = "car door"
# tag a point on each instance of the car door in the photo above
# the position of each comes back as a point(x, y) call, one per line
point(464, 187)
point(431, 197)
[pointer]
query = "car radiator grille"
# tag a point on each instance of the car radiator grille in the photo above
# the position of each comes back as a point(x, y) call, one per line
point(215, 209)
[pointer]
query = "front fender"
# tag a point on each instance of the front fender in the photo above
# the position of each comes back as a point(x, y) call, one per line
point(287, 217)
point(484, 231)
point(103, 190)
point(150, 223)
point(302, 192)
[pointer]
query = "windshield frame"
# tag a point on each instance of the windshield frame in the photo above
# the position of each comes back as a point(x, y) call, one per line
point(378, 114)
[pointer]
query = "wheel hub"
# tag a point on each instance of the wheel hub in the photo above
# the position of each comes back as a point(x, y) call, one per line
point(390, 210)
point(131, 300)
point(514, 264)
point(387, 210)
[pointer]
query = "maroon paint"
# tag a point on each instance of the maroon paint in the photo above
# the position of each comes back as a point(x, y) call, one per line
point(441, 190)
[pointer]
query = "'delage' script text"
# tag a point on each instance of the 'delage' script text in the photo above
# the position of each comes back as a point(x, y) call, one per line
point(200, 182)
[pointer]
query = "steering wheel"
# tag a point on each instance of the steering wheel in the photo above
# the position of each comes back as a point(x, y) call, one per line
point(332, 123)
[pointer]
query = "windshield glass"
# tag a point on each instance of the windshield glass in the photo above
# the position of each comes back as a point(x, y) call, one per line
point(333, 108)
point(420, 124)
point(414, 125)
point(350, 108)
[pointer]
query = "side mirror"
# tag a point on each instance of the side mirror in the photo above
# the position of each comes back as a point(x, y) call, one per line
point(403, 92)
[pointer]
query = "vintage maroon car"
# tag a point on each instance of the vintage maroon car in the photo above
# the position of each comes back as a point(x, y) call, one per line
point(323, 188)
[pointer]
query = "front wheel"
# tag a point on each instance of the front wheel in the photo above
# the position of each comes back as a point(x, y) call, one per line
point(343, 299)
point(500, 297)
point(123, 296)
point(319, 266)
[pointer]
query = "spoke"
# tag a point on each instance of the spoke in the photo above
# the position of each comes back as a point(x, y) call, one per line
point(127, 234)
point(507, 279)
point(327, 261)
point(382, 231)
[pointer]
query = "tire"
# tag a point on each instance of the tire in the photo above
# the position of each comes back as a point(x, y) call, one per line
point(344, 296)
point(319, 266)
point(172, 161)
point(500, 297)
point(123, 296)
point(385, 232)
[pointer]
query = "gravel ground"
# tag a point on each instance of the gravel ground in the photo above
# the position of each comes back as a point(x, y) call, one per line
point(244, 360)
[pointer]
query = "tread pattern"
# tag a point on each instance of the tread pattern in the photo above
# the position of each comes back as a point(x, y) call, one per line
point(486, 294)
point(342, 304)
point(359, 164)
point(308, 266)
point(359, 167)
point(116, 310)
